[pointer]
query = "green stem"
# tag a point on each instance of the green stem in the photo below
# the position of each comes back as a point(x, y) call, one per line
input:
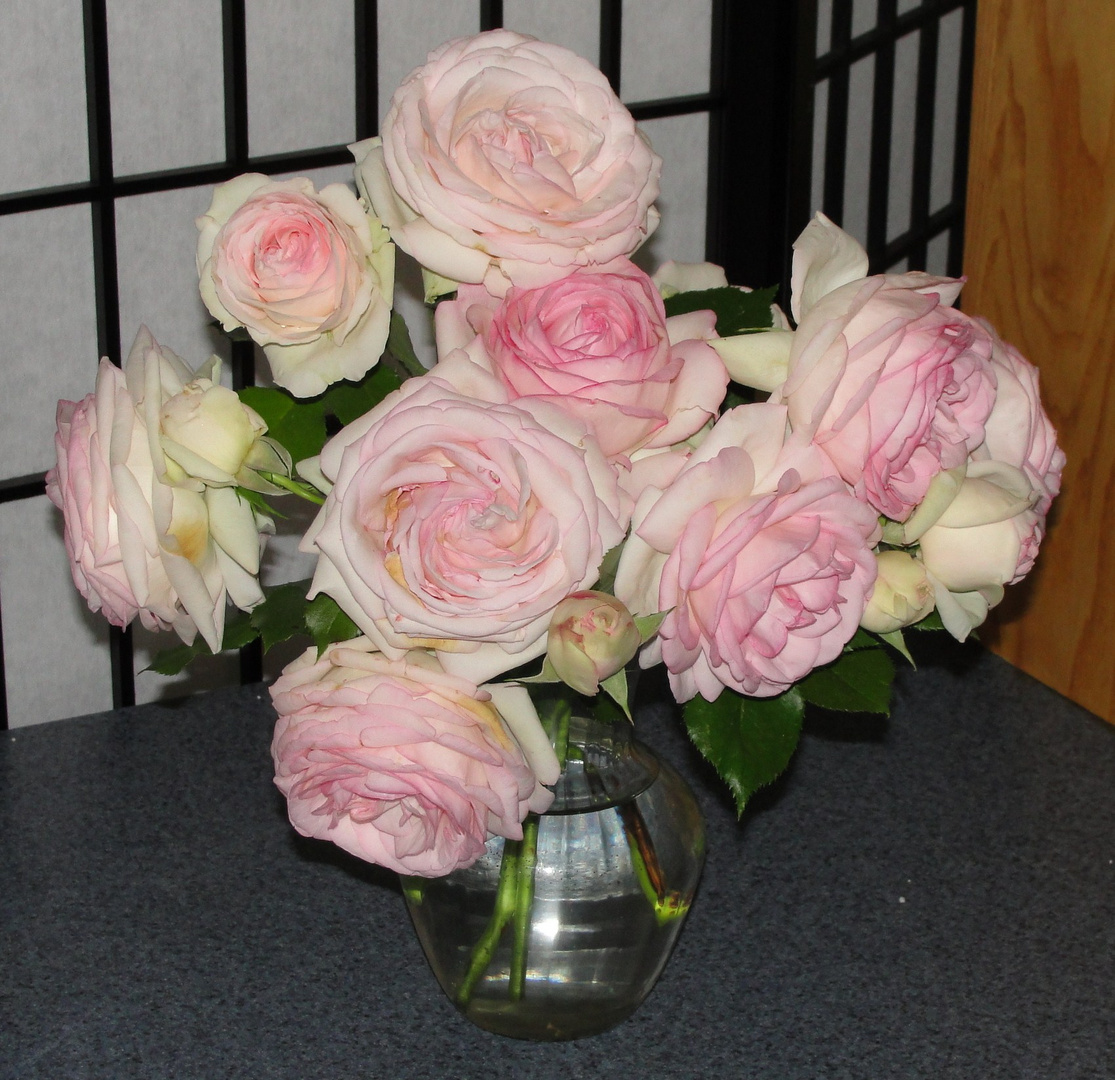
point(506, 895)
point(295, 487)
point(524, 901)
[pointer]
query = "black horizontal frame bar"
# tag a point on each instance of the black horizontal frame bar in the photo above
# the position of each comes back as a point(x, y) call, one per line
point(937, 223)
point(123, 187)
point(867, 43)
point(22, 487)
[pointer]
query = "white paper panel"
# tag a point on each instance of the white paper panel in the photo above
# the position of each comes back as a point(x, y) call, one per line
point(944, 117)
point(683, 143)
point(410, 29)
point(907, 5)
point(56, 659)
point(572, 23)
point(156, 248)
point(824, 26)
point(167, 84)
point(865, 14)
point(857, 166)
point(937, 255)
point(900, 194)
point(665, 49)
point(820, 121)
point(301, 90)
point(42, 96)
point(48, 338)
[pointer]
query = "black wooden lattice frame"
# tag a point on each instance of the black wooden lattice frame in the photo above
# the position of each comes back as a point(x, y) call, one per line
point(760, 108)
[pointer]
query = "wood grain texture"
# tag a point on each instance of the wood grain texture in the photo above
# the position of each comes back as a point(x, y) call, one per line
point(1040, 259)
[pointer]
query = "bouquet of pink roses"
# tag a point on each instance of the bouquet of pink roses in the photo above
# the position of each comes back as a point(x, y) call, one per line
point(600, 465)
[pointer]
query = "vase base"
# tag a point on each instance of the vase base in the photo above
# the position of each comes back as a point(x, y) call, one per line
point(546, 1022)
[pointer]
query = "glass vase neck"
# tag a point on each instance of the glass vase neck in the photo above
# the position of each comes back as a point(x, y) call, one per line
point(604, 765)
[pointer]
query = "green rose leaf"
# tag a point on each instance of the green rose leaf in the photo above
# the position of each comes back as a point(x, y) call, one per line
point(736, 311)
point(349, 401)
point(749, 741)
point(297, 425)
point(283, 614)
point(327, 623)
point(858, 681)
point(238, 633)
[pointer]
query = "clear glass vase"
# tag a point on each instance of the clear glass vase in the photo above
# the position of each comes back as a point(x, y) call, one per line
point(564, 933)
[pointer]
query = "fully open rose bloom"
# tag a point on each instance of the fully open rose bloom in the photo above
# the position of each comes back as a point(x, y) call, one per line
point(506, 159)
point(399, 763)
point(141, 544)
point(458, 524)
point(309, 275)
point(598, 344)
point(760, 554)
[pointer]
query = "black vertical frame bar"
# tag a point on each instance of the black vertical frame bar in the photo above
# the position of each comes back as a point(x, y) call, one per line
point(491, 14)
point(366, 67)
point(760, 129)
point(924, 115)
point(882, 122)
point(234, 30)
point(105, 265)
point(611, 40)
point(836, 121)
point(963, 133)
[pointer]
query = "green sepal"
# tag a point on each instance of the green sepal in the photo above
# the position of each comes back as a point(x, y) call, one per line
point(327, 623)
point(648, 625)
point(736, 311)
point(258, 503)
point(239, 631)
point(897, 642)
point(615, 686)
point(858, 681)
point(548, 674)
point(749, 741)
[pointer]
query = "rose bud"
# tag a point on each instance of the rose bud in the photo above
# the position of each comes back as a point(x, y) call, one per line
point(903, 594)
point(592, 636)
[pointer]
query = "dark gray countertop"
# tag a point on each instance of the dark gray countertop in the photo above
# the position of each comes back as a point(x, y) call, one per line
point(931, 896)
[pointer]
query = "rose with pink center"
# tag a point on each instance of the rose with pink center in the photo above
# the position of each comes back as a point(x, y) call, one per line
point(759, 553)
point(458, 524)
point(598, 344)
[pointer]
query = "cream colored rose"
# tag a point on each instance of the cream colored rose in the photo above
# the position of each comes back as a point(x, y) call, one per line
point(902, 596)
point(308, 274)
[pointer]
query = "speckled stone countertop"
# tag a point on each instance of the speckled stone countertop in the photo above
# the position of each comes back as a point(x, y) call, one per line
point(929, 896)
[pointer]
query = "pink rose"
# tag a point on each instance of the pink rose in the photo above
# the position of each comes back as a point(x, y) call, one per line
point(508, 159)
point(762, 558)
point(598, 344)
point(117, 575)
point(891, 383)
point(458, 524)
point(397, 762)
point(1018, 431)
point(309, 275)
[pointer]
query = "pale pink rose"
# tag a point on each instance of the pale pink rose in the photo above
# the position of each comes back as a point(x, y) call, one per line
point(598, 344)
point(592, 636)
point(120, 577)
point(458, 524)
point(759, 553)
point(144, 537)
point(891, 383)
point(1018, 431)
point(509, 159)
point(396, 761)
point(308, 274)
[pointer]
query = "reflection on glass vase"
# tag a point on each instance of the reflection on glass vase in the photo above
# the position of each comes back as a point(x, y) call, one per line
point(564, 933)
